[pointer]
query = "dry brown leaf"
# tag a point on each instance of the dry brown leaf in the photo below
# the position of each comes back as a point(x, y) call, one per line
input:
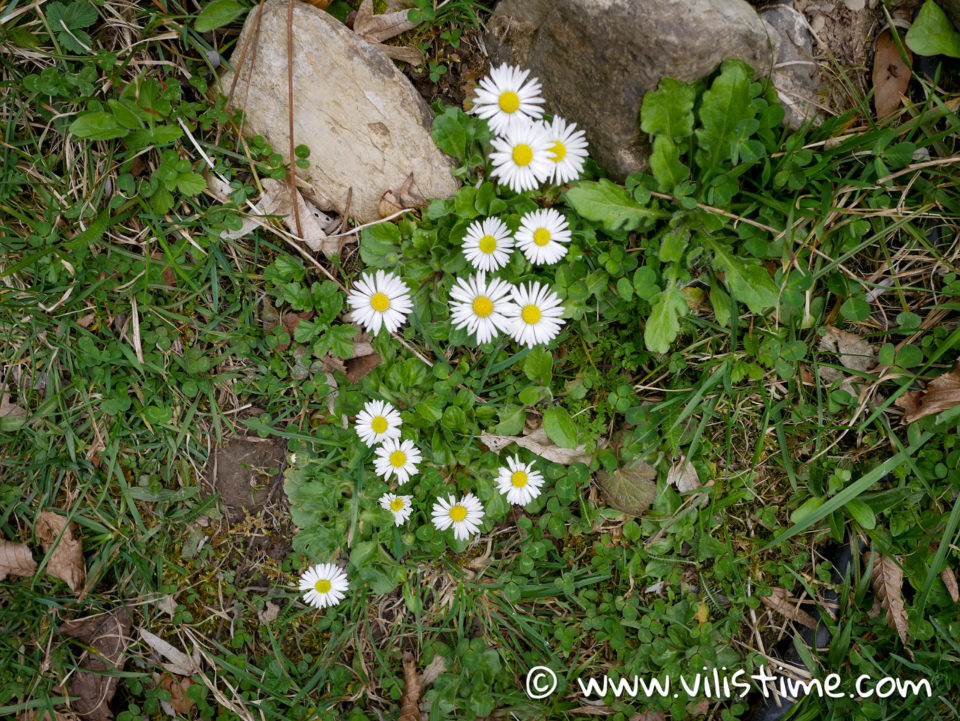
point(179, 702)
point(16, 559)
point(891, 75)
point(359, 366)
point(377, 28)
point(703, 613)
point(269, 613)
point(538, 443)
point(941, 394)
point(781, 601)
point(389, 205)
point(949, 579)
point(403, 53)
point(177, 661)
point(106, 636)
point(432, 672)
point(649, 716)
point(410, 703)
point(852, 350)
point(684, 476)
point(66, 559)
point(405, 196)
point(276, 201)
point(888, 585)
point(632, 489)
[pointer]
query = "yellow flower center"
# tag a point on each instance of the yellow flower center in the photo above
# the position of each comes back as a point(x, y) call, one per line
point(519, 479)
point(509, 101)
point(559, 151)
point(322, 586)
point(530, 314)
point(541, 236)
point(379, 302)
point(379, 424)
point(487, 244)
point(398, 459)
point(522, 154)
point(482, 306)
point(458, 513)
point(396, 504)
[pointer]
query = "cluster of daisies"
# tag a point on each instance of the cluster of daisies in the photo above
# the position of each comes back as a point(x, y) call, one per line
point(527, 152)
point(378, 426)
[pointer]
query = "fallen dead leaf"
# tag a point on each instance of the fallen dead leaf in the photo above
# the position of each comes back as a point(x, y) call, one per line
point(168, 605)
point(359, 366)
point(941, 394)
point(632, 489)
point(949, 579)
point(179, 702)
point(852, 350)
point(276, 201)
point(537, 442)
point(66, 558)
point(10, 410)
point(377, 28)
point(649, 716)
point(781, 601)
point(684, 476)
point(888, 585)
point(106, 637)
point(432, 672)
point(16, 559)
point(177, 661)
point(269, 613)
point(410, 703)
point(891, 75)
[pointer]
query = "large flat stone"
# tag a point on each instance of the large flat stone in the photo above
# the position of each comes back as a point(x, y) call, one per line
point(366, 126)
point(597, 58)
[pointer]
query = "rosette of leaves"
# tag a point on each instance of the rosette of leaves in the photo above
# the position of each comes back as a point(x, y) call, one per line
point(704, 139)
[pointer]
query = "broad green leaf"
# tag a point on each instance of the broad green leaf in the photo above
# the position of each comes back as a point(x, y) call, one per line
point(663, 324)
point(806, 509)
point(98, 125)
point(380, 245)
point(722, 306)
point(665, 163)
point(191, 183)
point(217, 14)
point(932, 33)
point(610, 204)
point(724, 106)
point(449, 134)
point(512, 419)
point(668, 110)
point(746, 279)
point(538, 366)
point(559, 427)
point(862, 513)
point(160, 135)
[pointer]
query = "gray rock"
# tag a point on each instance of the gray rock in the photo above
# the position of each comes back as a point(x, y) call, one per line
point(796, 75)
point(366, 126)
point(597, 58)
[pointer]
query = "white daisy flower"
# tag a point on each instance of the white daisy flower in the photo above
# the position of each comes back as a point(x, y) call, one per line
point(380, 300)
point(521, 160)
point(464, 515)
point(479, 306)
point(377, 422)
point(537, 317)
point(519, 481)
point(487, 244)
point(568, 149)
point(396, 457)
point(399, 506)
point(542, 236)
point(505, 97)
point(324, 585)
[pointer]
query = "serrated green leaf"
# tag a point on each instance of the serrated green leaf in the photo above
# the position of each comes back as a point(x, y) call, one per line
point(932, 33)
point(668, 110)
point(610, 204)
point(191, 183)
point(559, 427)
point(722, 108)
point(746, 279)
point(663, 323)
point(665, 163)
point(217, 14)
point(98, 125)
